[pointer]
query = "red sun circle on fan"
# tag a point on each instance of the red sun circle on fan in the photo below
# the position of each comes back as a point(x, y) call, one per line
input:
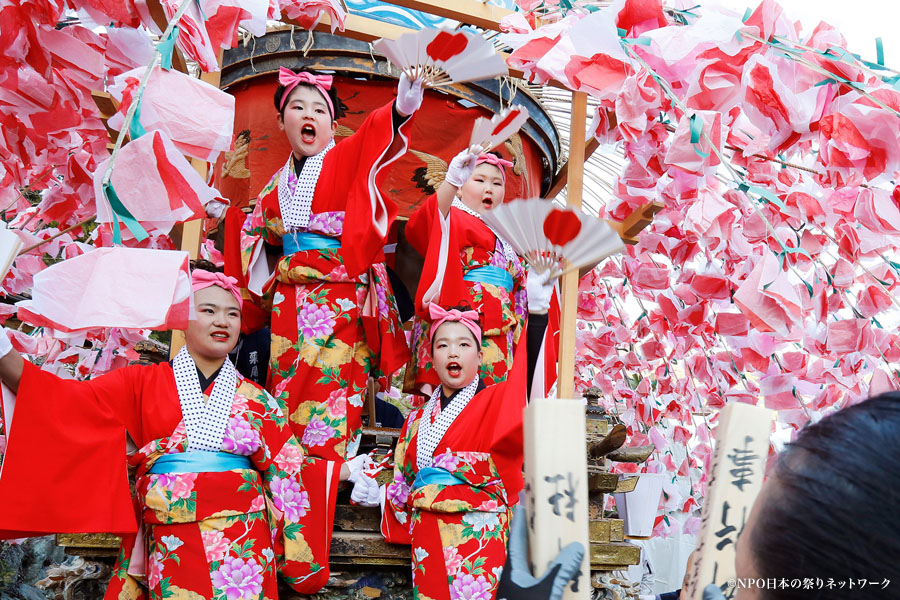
point(561, 226)
point(445, 46)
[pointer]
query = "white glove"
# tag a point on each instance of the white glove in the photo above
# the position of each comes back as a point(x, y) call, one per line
point(215, 209)
point(5, 344)
point(366, 491)
point(461, 167)
point(409, 95)
point(539, 288)
point(356, 465)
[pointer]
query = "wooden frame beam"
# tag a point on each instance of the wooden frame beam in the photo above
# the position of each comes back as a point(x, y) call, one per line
point(565, 383)
point(562, 177)
point(158, 14)
point(472, 12)
point(636, 222)
point(107, 106)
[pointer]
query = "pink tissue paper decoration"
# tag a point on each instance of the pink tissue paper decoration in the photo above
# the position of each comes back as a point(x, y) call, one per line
point(309, 13)
point(196, 116)
point(112, 287)
point(155, 183)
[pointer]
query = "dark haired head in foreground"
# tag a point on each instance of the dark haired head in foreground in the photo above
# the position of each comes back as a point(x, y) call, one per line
point(829, 513)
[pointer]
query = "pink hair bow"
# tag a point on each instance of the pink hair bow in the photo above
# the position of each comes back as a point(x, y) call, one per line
point(493, 159)
point(290, 80)
point(201, 279)
point(439, 316)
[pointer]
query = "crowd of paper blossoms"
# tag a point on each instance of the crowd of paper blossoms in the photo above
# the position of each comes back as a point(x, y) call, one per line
point(768, 277)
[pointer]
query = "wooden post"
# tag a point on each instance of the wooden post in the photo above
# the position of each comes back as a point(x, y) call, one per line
point(556, 494)
point(735, 478)
point(565, 383)
point(556, 486)
point(191, 230)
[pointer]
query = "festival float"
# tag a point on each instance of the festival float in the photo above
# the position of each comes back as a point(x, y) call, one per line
point(748, 164)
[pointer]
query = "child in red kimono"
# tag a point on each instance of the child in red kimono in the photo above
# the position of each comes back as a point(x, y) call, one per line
point(335, 322)
point(457, 469)
point(218, 494)
point(495, 276)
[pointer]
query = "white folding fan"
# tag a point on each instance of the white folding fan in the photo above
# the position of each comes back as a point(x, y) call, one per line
point(490, 133)
point(442, 57)
point(548, 236)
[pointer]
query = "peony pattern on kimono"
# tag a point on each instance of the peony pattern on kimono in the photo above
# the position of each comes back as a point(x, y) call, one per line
point(240, 579)
point(327, 223)
point(155, 569)
point(215, 545)
point(240, 437)
point(446, 461)
point(290, 498)
point(243, 538)
point(289, 459)
point(318, 433)
point(453, 560)
point(337, 404)
point(469, 587)
point(398, 490)
point(315, 321)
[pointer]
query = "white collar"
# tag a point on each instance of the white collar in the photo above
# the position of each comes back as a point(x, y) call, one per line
point(204, 422)
point(296, 203)
point(430, 434)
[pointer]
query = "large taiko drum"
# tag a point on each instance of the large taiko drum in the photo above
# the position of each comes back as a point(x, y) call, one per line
point(365, 81)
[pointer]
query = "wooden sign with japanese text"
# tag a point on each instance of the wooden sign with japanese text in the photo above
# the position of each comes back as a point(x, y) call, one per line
point(556, 493)
point(735, 478)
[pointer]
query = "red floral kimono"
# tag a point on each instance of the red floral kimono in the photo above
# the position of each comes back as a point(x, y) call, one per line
point(502, 310)
point(335, 321)
point(452, 504)
point(204, 535)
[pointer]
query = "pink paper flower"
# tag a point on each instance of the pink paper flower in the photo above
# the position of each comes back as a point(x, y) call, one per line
point(239, 579)
point(289, 498)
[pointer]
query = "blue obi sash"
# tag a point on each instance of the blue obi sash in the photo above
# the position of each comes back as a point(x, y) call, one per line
point(199, 462)
point(435, 476)
point(491, 274)
point(296, 241)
